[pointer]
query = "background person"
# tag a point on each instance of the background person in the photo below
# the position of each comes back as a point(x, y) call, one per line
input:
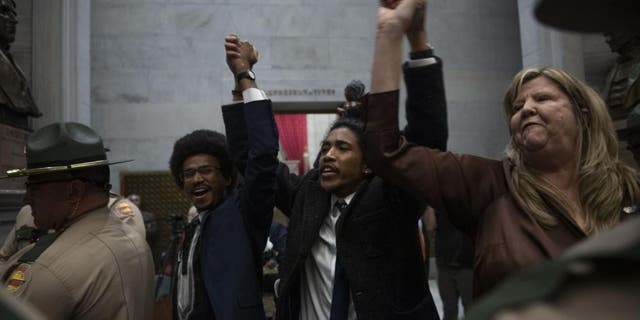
point(454, 258)
point(149, 219)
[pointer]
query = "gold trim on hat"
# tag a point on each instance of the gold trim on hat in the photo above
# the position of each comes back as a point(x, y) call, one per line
point(27, 172)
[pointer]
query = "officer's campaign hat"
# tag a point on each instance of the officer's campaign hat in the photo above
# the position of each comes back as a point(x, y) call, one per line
point(60, 147)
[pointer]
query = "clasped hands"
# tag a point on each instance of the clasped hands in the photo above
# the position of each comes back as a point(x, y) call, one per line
point(241, 55)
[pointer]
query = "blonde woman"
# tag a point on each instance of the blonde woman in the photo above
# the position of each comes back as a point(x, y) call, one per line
point(561, 181)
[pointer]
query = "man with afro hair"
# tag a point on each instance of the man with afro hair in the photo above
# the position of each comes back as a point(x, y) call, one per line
point(218, 271)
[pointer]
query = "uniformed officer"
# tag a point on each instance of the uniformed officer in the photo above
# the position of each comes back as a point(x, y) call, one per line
point(87, 264)
point(24, 231)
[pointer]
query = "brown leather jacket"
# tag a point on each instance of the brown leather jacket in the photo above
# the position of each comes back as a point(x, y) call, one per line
point(475, 193)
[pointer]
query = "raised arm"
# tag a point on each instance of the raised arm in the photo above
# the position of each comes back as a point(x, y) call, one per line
point(233, 114)
point(382, 134)
point(236, 127)
point(258, 190)
point(463, 185)
point(426, 107)
point(394, 18)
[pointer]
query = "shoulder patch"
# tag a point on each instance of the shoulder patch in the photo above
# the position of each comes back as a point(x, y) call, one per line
point(18, 278)
point(122, 210)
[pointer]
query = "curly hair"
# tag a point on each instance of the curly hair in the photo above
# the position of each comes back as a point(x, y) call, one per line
point(604, 181)
point(200, 141)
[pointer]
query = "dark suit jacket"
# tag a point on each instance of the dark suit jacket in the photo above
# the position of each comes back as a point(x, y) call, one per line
point(378, 246)
point(235, 233)
point(377, 236)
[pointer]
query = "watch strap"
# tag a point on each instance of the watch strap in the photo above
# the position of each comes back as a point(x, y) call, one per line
point(422, 54)
point(247, 74)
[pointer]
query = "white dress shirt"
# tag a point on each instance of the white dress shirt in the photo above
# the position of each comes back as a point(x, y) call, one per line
point(319, 270)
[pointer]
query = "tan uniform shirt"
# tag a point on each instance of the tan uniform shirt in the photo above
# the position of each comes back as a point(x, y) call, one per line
point(98, 268)
point(119, 207)
point(127, 212)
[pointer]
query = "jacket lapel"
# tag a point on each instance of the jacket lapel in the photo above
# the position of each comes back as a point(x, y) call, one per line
point(352, 208)
point(315, 212)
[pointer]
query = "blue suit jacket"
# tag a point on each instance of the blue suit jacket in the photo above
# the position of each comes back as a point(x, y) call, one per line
point(234, 234)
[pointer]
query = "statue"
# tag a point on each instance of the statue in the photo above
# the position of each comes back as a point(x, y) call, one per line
point(622, 91)
point(16, 101)
point(624, 73)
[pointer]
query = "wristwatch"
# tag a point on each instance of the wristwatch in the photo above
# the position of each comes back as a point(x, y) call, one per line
point(428, 53)
point(246, 75)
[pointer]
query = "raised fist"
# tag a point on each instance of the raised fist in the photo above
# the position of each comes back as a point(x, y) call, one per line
point(241, 55)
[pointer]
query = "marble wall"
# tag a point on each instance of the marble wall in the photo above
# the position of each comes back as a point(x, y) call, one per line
point(61, 61)
point(479, 42)
point(158, 70)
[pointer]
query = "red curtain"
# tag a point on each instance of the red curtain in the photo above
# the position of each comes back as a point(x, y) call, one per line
point(293, 136)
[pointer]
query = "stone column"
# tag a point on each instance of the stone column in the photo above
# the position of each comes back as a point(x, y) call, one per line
point(61, 61)
point(545, 46)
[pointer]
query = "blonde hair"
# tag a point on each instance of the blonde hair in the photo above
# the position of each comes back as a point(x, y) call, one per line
point(604, 181)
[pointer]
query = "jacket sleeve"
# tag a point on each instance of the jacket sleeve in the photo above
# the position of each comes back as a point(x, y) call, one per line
point(287, 185)
point(236, 132)
point(258, 190)
point(237, 139)
point(460, 185)
point(426, 106)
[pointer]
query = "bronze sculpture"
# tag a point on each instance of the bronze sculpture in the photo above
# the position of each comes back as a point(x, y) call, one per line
point(16, 101)
point(622, 89)
point(622, 92)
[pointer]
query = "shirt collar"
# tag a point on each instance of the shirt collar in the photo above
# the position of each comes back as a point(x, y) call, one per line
point(346, 199)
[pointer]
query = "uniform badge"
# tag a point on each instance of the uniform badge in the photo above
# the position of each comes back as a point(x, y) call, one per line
point(18, 278)
point(123, 210)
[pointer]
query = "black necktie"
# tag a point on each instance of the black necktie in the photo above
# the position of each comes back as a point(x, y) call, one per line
point(341, 206)
point(340, 300)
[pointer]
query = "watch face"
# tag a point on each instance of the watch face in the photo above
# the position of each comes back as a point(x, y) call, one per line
point(247, 74)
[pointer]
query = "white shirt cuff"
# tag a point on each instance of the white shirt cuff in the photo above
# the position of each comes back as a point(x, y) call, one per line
point(253, 94)
point(422, 62)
